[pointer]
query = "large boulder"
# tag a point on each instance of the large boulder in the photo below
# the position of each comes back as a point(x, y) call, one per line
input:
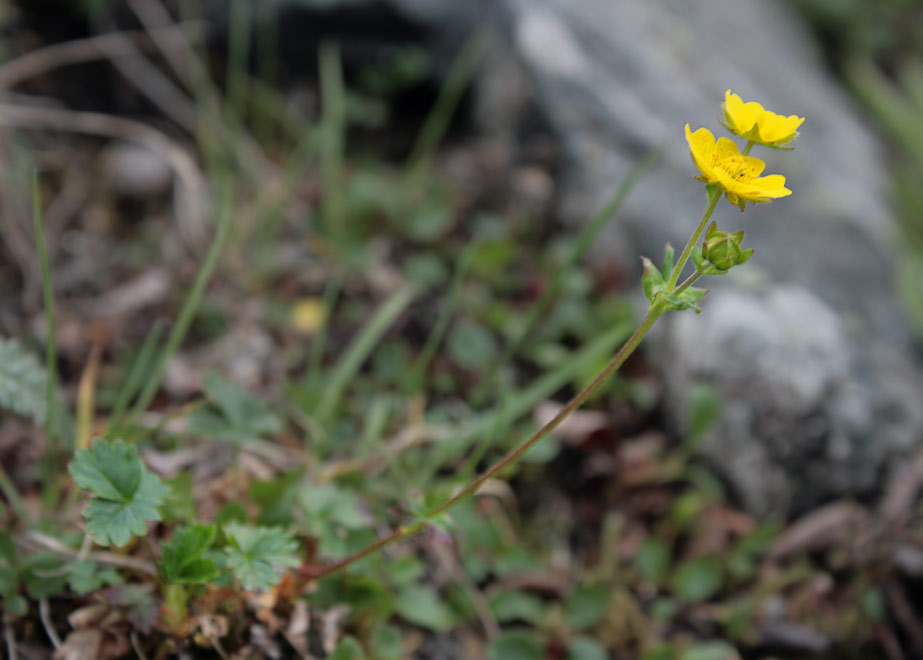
point(807, 346)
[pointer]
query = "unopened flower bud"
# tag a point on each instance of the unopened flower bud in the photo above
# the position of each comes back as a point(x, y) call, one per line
point(722, 250)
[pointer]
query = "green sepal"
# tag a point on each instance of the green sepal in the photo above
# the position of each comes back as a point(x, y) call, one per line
point(721, 251)
point(652, 281)
point(700, 264)
point(669, 255)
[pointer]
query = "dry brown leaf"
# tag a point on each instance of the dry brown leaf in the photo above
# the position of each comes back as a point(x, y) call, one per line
point(834, 523)
point(80, 645)
point(902, 488)
point(718, 526)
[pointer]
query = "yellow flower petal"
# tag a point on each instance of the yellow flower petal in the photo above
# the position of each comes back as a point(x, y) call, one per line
point(741, 117)
point(720, 162)
point(775, 129)
point(753, 122)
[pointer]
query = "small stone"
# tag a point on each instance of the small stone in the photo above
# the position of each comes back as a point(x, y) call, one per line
point(134, 172)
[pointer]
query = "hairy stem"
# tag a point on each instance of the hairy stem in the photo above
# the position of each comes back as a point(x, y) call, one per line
point(714, 194)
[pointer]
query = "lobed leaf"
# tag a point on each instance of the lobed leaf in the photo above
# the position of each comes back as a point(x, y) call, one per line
point(23, 380)
point(127, 495)
point(182, 559)
point(259, 555)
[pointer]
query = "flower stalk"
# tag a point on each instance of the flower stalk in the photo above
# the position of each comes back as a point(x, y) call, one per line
point(714, 194)
point(727, 171)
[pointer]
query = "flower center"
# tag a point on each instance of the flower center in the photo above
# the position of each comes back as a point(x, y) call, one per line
point(736, 166)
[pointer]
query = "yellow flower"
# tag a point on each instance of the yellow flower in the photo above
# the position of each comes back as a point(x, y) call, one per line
point(722, 163)
point(753, 122)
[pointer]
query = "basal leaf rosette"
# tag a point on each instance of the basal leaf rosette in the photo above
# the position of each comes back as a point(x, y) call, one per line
point(721, 163)
point(753, 122)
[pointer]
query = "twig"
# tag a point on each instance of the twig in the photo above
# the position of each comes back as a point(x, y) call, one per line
point(903, 612)
point(108, 558)
point(156, 86)
point(176, 50)
point(888, 641)
point(113, 46)
point(45, 615)
point(10, 638)
point(136, 645)
point(190, 197)
point(449, 562)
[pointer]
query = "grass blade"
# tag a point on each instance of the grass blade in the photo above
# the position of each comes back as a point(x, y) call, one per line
point(190, 305)
point(587, 238)
point(332, 137)
point(132, 384)
point(361, 347)
point(437, 122)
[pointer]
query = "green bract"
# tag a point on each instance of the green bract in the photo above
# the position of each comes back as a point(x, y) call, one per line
point(656, 285)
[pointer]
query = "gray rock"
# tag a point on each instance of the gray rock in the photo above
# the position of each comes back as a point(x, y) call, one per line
point(135, 172)
point(806, 414)
point(812, 357)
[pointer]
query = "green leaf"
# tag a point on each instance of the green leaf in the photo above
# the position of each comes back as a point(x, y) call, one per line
point(183, 561)
point(516, 605)
point(368, 598)
point(710, 650)
point(9, 581)
point(586, 648)
point(243, 411)
point(15, 606)
point(516, 645)
point(387, 643)
point(421, 605)
point(703, 405)
point(471, 346)
point(404, 569)
point(42, 575)
point(111, 471)
point(697, 579)
point(141, 608)
point(587, 605)
point(86, 576)
point(348, 648)
point(276, 498)
point(180, 505)
point(115, 522)
point(22, 384)
point(653, 559)
point(872, 603)
point(127, 495)
point(259, 555)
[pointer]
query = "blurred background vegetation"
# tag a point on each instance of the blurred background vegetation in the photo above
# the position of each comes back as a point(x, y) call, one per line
point(877, 50)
